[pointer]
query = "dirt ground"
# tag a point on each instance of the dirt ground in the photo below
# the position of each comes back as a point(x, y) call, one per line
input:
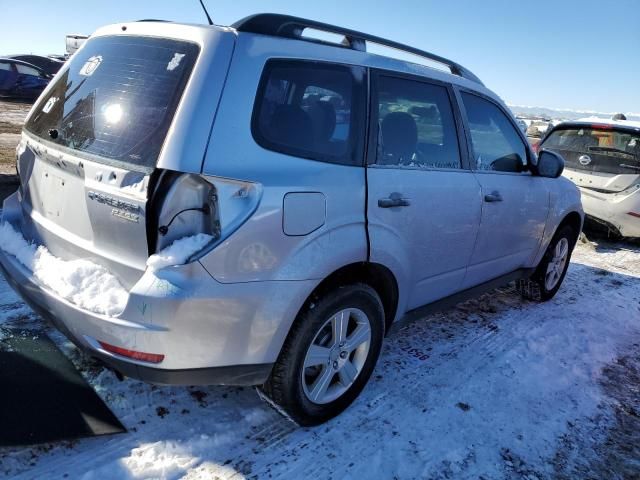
point(12, 115)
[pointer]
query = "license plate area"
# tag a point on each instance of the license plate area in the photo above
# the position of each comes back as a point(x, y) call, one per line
point(52, 195)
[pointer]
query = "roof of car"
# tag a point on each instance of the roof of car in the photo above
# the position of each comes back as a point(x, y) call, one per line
point(281, 28)
point(287, 26)
point(21, 62)
point(26, 55)
point(609, 121)
point(590, 121)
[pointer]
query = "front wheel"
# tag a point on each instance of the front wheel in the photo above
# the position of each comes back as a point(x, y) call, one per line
point(329, 355)
point(546, 280)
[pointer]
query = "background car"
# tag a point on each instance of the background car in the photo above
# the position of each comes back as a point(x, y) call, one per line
point(21, 80)
point(603, 159)
point(48, 65)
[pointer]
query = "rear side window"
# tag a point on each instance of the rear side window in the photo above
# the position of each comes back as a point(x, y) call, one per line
point(597, 149)
point(497, 146)
point(416, 125)
point(116, 99)
point(26, 70)
point(312, 110)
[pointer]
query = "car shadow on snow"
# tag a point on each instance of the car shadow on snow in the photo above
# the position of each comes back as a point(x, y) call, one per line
point(603, 241)
point(489, 387)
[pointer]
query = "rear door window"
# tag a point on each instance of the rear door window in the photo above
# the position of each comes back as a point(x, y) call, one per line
point(597, 149)
point(312, 110)
point(416, 126)
point(27, 70)
point(116, 99)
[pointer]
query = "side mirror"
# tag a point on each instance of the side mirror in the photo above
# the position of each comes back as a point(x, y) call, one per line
point(550, 164)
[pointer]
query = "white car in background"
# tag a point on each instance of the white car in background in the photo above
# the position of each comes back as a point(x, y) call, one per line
point(602, 157)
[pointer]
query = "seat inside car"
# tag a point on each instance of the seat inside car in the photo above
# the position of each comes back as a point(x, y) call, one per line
point(323, 119)
point(291, 125)
point(399, 138)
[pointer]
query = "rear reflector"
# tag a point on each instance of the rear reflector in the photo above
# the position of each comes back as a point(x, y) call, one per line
point(633, 214)
point(145, 357)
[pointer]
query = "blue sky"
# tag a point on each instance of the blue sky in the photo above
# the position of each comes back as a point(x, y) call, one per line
point(554, 53)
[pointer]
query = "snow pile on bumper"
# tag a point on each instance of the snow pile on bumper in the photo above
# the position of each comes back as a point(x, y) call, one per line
point(179, 251)
point(81, 282)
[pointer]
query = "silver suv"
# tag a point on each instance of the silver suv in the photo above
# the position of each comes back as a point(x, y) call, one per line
point(248, 205)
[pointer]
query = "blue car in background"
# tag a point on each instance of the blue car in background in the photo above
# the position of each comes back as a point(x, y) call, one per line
point(21, 80)
point(49, 65)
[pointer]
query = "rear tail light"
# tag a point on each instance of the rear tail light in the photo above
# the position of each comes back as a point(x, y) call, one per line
point(186, 205)
point(123, 352)
point(182, 205)
point(536, 148)
point(634, 214)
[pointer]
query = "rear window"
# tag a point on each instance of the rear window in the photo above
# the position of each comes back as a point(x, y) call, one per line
point(596, 149)
point(26, 70)
point(312, 110)
point(116, 99)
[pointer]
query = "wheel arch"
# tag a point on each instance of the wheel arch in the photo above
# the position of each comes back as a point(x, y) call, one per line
point(377, 276)
point(573, 220)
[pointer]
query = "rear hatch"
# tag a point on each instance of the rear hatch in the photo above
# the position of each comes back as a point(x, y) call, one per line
point(603, 158)
point(90, 148)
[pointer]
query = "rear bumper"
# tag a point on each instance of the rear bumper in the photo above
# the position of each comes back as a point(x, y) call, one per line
point(613, 209)
point(253, 374)
point(209, 333)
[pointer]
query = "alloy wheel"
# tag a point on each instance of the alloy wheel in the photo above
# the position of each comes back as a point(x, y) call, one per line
point(336, 355)
point(557, 264)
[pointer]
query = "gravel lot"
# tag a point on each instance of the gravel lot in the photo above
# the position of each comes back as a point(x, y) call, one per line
point(12, 115)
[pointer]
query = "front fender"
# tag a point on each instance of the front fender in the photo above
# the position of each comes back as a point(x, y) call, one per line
point(564, 200)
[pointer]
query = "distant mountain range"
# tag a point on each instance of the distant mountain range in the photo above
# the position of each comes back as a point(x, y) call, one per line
point(565, 114)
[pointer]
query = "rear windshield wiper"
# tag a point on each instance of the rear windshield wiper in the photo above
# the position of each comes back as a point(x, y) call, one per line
point(624, 165)
point(610, 149)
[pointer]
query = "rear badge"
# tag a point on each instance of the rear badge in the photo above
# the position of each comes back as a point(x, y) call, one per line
point(584, 159)
point(121, 209)
point(91, 65)
point(132, 217)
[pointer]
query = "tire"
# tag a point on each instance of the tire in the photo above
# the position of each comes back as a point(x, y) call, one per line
point(337, 369)
point(550, 272)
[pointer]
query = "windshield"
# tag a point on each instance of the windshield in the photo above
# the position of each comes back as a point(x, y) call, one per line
point(597, 149)
point(116, 99)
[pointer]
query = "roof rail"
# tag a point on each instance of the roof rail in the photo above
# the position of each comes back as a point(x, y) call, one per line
point(292, 27)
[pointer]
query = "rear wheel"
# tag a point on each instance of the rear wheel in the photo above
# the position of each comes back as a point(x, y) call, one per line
point(546, 280)
point(329, 355)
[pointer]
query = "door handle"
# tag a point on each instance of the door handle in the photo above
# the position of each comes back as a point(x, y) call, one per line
point(493, 197)
point(394, 200)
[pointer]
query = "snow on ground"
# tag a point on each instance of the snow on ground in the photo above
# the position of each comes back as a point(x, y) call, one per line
point(495, 388)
